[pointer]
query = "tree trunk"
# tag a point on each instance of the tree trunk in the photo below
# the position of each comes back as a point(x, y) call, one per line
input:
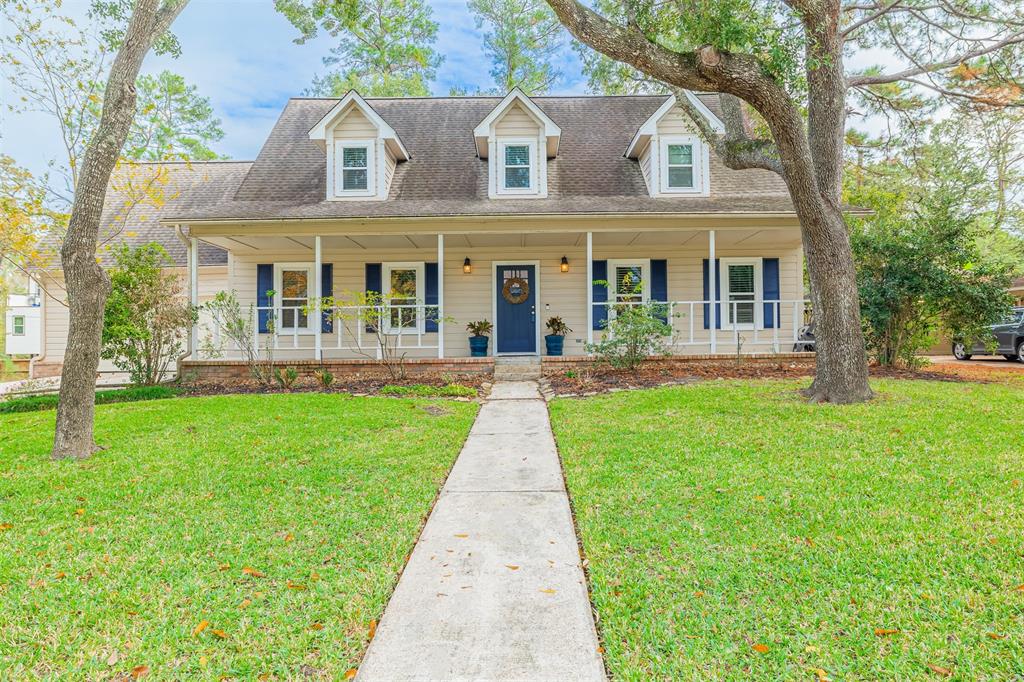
point(87, 284)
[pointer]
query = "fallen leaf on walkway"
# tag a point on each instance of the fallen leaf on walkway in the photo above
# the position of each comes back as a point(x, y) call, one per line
point(253, 572)
point(203, 624)
point(351, 672)
point(882, 632)
point(462, 535)
point(548, 591)
point(761, 648)
point(939, 670)
point(513, 567)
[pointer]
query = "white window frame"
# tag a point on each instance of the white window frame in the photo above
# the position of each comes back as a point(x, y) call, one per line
point(14, 325)
point(531, 145)
point(310, 269)
point(700, 164)
point(421, 283)
point(723, 295)
point(645, 277)
point(338, 176)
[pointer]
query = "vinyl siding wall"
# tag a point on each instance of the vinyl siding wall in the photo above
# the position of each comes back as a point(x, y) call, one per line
point(469, 297)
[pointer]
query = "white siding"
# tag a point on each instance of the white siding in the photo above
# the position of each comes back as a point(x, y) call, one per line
point(355, 126)
point(516, 122)
point(676, 122)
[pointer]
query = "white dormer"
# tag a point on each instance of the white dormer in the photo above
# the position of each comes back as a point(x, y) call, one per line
point(362, 150)
point(674, 159)
point(517, 139)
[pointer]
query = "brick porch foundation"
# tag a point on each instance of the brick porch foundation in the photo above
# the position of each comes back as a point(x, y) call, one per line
point(234, 370)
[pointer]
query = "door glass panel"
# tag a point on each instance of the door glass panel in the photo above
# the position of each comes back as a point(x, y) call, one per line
point(294, 294)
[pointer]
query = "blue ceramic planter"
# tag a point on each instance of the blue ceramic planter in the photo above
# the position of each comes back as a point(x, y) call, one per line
point(554, 344)
point(478, 346)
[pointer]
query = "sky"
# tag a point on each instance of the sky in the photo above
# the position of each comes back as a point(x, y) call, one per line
point(250, 70)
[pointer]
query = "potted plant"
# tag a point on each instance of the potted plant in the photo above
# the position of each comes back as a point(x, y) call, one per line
point(556, 338)
point(478, 340)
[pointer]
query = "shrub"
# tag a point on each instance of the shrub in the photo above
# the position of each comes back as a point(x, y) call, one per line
point(324, 376)
point(226, 313)
point(480, 328)
point(36, 403)
point(634, 333)
point(287, 377)
point(557, 326)
point(146, 317)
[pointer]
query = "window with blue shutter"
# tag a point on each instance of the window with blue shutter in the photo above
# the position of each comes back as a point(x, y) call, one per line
point(659, 285)
point(430, 273)
point(327, 290)
point(373, 275)
point(707, 295)
point(770, 276)
point(264, 284)
point(600, 293)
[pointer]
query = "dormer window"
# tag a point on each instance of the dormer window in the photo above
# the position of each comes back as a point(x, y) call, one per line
point(361, 150)
point(517, 138)
point(680, 165)
point(355, 172)
point(518, 169)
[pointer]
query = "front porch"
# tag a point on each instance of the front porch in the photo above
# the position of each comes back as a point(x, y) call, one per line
point(432, 284)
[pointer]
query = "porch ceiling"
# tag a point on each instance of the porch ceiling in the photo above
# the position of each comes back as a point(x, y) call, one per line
point(741, 238)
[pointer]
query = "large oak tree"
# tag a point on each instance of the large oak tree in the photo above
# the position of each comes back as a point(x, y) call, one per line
point(787, 60)
point(87, 284)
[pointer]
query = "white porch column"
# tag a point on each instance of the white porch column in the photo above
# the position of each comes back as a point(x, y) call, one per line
point(440, 296)
point(713, 292)
point(590, 288)
point(193, 293)
point(318, 323)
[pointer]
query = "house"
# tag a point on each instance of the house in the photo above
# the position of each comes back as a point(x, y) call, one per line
point(457, 209)
point(23, 323)
point(1017, 291)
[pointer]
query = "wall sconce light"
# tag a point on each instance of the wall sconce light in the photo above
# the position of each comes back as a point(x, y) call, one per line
point(467, 266)
point(565, 264)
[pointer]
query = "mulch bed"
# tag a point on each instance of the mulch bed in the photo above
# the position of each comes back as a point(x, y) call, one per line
point(362, 385)
point(603, 379)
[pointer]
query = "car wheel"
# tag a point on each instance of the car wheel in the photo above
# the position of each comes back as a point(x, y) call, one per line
point(1011, 358)
point(960, 352)
point(1020, 351)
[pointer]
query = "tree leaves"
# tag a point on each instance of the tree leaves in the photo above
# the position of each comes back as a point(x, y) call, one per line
point(203, 624)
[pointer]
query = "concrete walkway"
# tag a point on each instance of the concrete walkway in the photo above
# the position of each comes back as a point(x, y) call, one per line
point(494, 589)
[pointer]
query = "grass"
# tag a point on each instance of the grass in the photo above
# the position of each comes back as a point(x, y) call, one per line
point(113, 563)
point(36, 403)
point(423, 391)
point(735, 532)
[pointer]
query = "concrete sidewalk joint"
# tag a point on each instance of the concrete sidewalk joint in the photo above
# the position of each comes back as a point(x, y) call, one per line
point(494, 589)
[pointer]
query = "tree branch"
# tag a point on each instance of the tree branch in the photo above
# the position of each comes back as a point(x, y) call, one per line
point(737, 149)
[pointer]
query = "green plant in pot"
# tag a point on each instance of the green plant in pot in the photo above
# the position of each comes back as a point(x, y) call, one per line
point(478, 340)
point(555, 339)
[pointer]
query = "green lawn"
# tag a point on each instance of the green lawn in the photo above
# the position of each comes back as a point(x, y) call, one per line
point(735, 532)
point(111, 564)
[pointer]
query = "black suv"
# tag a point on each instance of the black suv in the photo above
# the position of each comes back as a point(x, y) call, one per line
point(1009, 338)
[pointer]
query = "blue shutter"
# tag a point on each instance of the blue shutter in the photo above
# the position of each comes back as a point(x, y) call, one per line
point(770, 291)
point(659, 285)
point(327, 290)
point(430, 296)
point(264, 283)
point(373, 276)
point(718, 295)
point(600, 293)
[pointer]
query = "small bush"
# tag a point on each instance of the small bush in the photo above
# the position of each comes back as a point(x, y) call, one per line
point(286, 378)
point(325, 377)
point(37, 403)
point(424, 391)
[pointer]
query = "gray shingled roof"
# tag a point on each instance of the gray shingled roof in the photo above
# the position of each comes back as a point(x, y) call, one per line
point(183, 186)
point(446, 178)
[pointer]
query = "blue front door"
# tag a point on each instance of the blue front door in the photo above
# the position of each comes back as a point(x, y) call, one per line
point(517, 309)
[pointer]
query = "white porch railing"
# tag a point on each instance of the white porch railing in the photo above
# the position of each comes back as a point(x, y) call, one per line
point(789, 319)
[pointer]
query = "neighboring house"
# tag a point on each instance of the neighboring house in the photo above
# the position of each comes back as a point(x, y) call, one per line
point(23, 323)
point(507, 209)
point(1017, 291)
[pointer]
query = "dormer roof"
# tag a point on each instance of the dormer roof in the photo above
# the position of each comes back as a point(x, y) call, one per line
point(649, 127)
point(320, 132)
point(484, 130)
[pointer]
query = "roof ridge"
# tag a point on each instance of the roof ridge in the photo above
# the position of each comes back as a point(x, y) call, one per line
point(481, 97)
point(192, 163)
